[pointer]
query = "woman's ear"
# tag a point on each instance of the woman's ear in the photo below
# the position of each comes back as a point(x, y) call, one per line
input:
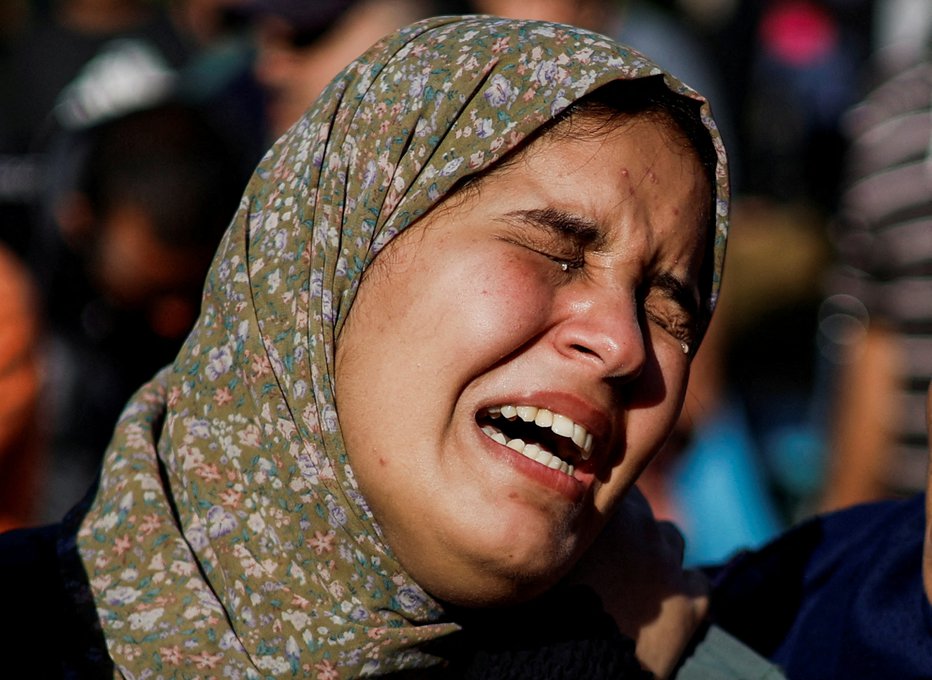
point(75, 219)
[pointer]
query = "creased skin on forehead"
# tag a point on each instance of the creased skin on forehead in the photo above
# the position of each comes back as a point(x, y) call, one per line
point(251, 548)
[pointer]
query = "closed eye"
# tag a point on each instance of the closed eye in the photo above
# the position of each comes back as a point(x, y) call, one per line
point(561, 237)
point(565, 261)
point(672, 305)
point(567, 264)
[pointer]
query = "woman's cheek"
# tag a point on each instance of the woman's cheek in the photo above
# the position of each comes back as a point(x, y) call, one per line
point(648, 424)
point(508, 296)
point(494, 298)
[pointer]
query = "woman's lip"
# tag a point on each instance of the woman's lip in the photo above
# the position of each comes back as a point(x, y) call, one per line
point(572, 488)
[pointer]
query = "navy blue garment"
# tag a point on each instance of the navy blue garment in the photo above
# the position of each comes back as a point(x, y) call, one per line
point(47, 615)
point(839, 596)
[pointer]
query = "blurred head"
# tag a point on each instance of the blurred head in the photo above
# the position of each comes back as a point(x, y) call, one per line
point(301, 46)
point(156, 191)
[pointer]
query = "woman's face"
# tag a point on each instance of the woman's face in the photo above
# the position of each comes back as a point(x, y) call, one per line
point(546, 311)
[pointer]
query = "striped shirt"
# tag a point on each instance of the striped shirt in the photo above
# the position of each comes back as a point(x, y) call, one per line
point(884, 242)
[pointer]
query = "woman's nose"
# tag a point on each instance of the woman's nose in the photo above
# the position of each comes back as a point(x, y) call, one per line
point(605, 333)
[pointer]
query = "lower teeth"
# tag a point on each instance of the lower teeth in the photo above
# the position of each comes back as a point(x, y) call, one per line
point(532, 451)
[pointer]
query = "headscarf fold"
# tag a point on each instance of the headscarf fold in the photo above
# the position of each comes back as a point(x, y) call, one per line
point(228, 536)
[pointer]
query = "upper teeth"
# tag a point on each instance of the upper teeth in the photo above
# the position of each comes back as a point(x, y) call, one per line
point(556, 422)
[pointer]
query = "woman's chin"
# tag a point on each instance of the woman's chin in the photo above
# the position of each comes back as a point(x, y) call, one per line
point(503, 578)
point(496, 594)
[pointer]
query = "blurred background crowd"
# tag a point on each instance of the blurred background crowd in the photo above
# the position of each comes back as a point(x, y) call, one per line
point(128, 129)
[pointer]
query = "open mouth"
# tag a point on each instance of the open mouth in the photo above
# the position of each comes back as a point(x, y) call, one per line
point(549, 438)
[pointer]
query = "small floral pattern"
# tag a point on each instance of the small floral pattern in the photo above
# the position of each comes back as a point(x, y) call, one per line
point(228, 537)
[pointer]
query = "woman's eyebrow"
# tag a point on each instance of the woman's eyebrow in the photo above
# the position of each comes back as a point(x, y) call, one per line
point(582, 230)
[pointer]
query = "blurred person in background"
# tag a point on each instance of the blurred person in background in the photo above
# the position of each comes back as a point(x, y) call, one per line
point(301, 46)
point(46, 45)
point(21, 449)
point(132, 225)
point(61, 39)
point(132, 193)
point(67, 64)
point(792, 67)
point(877, 321)
point(125, 139)
point(219, 74)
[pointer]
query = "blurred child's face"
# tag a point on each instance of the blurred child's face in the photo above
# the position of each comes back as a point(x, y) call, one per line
point(293, 75)
point(136, 271)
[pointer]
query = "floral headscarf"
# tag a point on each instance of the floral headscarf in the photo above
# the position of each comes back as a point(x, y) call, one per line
point(228, 536)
